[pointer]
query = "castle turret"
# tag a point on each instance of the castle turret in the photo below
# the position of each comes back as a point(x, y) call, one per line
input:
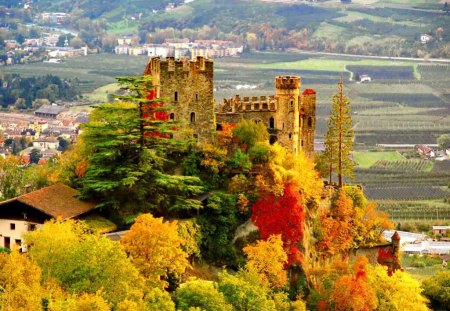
point(287, 94)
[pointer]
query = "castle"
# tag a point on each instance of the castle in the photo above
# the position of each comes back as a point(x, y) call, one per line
point(188, 87)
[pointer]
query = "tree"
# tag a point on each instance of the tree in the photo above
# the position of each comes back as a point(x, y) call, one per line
point(200, 294)
point(35, 156)
point(63, 143)
point(267, 258)
point(398, 291)
point(249, 133)
point(11, 175)
point(444, 141)
point(155, 248)
point(282, 215)
point(20, 283)
point(129, 147)
point(245, 291)
point(339, 137)
point(437, 289)
point(353, 292)
point(83, 262)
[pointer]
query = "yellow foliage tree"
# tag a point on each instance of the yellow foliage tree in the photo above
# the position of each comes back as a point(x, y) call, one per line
point(155, 249)
point(90, 302)
point(396, 292)
point(20, 287)
point(267, 259)
point(285, 168)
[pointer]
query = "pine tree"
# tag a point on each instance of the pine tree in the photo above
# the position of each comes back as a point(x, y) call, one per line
point(339, 138)
point(130, 144)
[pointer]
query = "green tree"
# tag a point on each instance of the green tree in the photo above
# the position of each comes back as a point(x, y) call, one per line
point(200, 294)
point(249, 132)
point(11, 174)
point(437, 289)
point(339, 137)
point(35, 156)
point(444, 141)
point(128, 155)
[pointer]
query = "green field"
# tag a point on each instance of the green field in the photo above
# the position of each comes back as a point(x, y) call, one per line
point(367, 159)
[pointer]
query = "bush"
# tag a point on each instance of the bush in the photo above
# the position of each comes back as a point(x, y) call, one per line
point(200, 294)
point(240, 161)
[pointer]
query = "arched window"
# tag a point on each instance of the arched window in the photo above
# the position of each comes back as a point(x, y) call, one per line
point(271, 123)
point(172, 116)
point(192, 117)
point(175, 96)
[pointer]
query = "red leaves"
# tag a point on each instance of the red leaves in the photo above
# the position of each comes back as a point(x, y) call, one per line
point(282, 215)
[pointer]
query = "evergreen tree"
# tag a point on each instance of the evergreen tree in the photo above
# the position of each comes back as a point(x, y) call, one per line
point(129, 148)
point(339, 138)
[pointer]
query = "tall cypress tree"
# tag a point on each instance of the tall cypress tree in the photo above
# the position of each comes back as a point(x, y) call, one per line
point(339, 138)
point(130, 146)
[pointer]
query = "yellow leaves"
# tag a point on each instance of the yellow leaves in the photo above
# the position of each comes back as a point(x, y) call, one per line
point(213, 157)
point(267, 259)
point(19, 283)
point(286, 168)
point(155, 249)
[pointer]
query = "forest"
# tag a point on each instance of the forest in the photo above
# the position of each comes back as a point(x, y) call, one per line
point(228, 224)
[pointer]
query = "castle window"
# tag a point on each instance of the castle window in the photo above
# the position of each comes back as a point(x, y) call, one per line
point(271, 123)
point(291, 104)
point(196, 96)
point(192, 117)
point(302, 142)
point(282, 126)
point(172, 116)
point(265, 107)
point(175, 96)
point(290, 136)
point(310, 121)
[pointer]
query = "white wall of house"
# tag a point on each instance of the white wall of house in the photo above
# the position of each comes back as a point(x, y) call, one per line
point(15, 235)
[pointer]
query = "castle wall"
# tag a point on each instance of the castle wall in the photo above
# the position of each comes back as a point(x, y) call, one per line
point(187, 89)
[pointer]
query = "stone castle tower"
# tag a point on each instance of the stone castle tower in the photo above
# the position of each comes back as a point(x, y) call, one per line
point(187, 87)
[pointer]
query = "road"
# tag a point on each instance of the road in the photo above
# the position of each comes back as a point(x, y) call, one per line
point(413, 59)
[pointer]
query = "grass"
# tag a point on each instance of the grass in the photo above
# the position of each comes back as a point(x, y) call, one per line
point(327, 30)
point(122, 27)
point(101, 94)
point(367, 159)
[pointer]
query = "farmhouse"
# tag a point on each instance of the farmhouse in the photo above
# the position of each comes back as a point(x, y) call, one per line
point(441, 229)
point(49, 111)
point(29, 211)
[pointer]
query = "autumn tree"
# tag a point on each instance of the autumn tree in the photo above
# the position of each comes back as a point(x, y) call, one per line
point(354, 292)
point(267, 259)
point(339, 137)
point(155, 248)
point(283, 215)
point(398, 291)
point(83, 262)
point(11, 175)
point(20, 283)
point(249, 133)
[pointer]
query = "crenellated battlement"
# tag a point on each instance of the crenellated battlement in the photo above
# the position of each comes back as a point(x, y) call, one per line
point(287, 82)
point(238, 104)
point(157, 65)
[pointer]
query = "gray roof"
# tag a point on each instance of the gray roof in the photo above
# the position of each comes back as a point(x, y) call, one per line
point(50, 109)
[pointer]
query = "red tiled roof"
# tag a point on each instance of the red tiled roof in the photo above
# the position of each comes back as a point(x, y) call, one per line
point(309, 92)
point(56, 200)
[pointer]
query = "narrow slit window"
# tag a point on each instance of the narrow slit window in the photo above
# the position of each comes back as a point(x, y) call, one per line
point(192, 117)
point(175, 96)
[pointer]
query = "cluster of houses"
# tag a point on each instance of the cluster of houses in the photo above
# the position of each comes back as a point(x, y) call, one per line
point(432, 152)
point(40, 131)
point(181, 47)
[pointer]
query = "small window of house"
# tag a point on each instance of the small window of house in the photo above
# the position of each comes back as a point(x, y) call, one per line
point(192, 117)
point(12, 226)
point(31, 227)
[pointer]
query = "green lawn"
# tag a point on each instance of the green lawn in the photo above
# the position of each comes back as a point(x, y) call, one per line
point(367, 159)
point(101, 94)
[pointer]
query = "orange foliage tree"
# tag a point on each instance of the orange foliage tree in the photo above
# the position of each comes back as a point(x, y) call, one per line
point(267, 259)
point(354, 292)
point(155, 248)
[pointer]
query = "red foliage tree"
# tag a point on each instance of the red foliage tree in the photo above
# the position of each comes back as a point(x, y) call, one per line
point(282, 215)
